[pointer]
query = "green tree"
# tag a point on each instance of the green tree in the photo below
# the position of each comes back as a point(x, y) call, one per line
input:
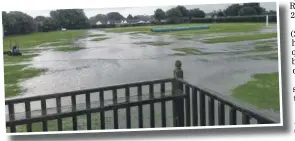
point(40, 18)
point(159, 14)
point(115, 16)
point(197, 13)
point(272, 12)
point(99, 17)
point(233, 10)
point(247, 11)
point(70, 18)
point(5, 21)
point(183, 10)
point(174, 16)
point(129, 17)
point(16, 22)
point(256, 6)
point(49, 24)
point(220, 13)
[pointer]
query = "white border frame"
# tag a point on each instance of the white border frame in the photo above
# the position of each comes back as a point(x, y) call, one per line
point(181, 128)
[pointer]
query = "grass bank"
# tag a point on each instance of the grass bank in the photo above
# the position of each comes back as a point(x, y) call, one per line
point(14, 74)
point(262, 91)
point(241, 38)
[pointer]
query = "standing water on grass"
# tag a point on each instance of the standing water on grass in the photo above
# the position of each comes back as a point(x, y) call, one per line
point(126, 58)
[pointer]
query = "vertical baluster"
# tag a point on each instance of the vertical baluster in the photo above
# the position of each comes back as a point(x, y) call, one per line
point(28, 115)
point(128, 114)
point(245, 118)
point(195, 107)
point(211, 112)
point(163, 105)
point(187, 105)
point(102, 116)
point(115, 100)
point(221, 114)
point(140, 114)
point(58, 108)
point(74, 107)
point(180, 107)
point(44, 113)
point(88, 115)
point(233, 116)
point(152, 106)
point(11, 117)
point(202, 109)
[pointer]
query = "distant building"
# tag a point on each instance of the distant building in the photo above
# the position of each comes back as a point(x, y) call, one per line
point(98, 23)
point(124, 22)
point(120, 22)
point(137, 21)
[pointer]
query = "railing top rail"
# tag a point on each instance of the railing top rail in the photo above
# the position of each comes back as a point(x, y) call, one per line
point(64, 94)
point(243, 107)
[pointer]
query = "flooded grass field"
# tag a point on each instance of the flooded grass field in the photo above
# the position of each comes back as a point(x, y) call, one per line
point(215, 59)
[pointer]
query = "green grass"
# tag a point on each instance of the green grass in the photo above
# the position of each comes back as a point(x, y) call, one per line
point(32, 40)
point(68, 48)
point(96, 35)
point(263, 48)
point(213, 28)
point(159, 43)
point(241, 38)
point(270, 56)
point(187, 51)
point(262, 91)
point(17, 59)
point(273, 56)
point(99, 39)
point(62, 43)
point(184, 38)
point(14, 74)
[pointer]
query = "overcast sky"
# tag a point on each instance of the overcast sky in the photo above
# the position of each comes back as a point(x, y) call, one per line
point(148, 10)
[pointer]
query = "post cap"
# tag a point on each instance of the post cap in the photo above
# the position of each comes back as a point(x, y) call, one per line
point(178, 64)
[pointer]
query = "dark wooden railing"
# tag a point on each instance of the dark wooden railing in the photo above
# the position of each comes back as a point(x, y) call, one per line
point(188, 106)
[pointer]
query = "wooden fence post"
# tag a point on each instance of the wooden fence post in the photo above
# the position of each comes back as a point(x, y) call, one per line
point(178, 104)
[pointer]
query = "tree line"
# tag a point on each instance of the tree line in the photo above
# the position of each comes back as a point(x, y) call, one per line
point(180, 14)
point(16, 22)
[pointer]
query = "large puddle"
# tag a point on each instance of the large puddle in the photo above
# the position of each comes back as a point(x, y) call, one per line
point(121, 59)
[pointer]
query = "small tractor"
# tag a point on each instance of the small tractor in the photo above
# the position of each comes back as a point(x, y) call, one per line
point(14, 51)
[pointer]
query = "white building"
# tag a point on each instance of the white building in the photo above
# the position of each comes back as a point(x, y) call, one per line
point(98, 23)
